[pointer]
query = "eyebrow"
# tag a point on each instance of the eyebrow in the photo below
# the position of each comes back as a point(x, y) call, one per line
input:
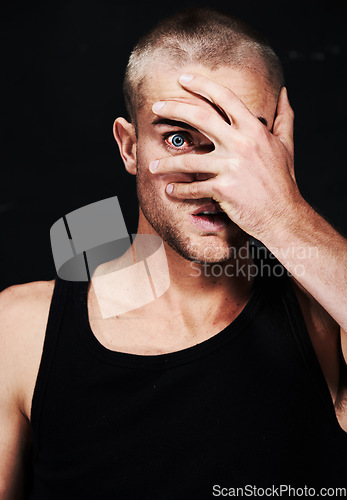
point(176, 123)
point(173, 123)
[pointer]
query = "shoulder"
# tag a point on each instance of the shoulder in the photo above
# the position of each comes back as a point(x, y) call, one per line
point(24, 311)
point(25, 291)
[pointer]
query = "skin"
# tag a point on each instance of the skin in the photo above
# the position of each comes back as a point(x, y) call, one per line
point(164, 211)
point(248, 168)
point(245, 166)
point(254, 183)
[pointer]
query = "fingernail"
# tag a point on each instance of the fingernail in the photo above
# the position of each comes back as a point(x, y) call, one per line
point(153, 165)
point(169, 188)
point(157, 106)
point(185, 78)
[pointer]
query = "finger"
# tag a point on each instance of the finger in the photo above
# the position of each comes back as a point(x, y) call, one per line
point(191, 190)
point(188, 163)
point(205, 120)
point(222, 97)
point(283, 126)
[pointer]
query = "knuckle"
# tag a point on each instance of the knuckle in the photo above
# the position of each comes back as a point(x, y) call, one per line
point(260, 131)
point(223, 187)
point(219, 189)
point(193, 189)
point(247, 143)
point(187, 162)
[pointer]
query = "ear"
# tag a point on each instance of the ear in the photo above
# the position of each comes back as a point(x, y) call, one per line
point(124, 133)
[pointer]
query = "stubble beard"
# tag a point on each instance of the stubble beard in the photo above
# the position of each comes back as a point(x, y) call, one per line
point(171, 230)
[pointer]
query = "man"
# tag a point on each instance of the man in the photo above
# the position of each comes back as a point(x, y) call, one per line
point(226, 380)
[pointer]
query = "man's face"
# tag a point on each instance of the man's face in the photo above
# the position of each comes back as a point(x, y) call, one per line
point(169, 217)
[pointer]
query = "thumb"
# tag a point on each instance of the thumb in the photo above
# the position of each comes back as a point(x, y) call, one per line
point(283, 126)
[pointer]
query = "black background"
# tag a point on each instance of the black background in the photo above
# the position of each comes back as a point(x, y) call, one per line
point(63, 65)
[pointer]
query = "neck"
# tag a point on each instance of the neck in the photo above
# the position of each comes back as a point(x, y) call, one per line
point(200, 285)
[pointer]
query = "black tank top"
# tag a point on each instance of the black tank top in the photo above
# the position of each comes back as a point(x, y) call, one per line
point(248, 407)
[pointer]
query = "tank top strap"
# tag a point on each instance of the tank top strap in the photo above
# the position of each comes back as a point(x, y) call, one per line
point(55, 317)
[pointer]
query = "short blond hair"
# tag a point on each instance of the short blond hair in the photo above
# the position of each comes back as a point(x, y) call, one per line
point(197, 35)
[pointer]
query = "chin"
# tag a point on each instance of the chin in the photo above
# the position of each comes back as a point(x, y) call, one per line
point(177, 234)
point(208, 249)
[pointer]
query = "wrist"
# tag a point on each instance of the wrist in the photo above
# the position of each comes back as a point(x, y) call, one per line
point(291, 225)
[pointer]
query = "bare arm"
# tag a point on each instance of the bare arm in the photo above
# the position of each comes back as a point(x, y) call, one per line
point(23, 316)
point(316, 256)
point(15, 441)
point(14, 427)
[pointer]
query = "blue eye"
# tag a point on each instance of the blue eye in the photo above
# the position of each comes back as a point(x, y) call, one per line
point(177, 140)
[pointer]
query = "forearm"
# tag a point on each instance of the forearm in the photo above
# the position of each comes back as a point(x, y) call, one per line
point(316, 256)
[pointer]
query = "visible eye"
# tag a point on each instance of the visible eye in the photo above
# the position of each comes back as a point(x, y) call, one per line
point(177, 140)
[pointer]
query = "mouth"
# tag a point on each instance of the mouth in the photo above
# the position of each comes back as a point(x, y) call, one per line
point(210, 218)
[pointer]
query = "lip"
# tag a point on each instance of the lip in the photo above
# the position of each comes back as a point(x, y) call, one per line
point(210, 224)
point(210, 207)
